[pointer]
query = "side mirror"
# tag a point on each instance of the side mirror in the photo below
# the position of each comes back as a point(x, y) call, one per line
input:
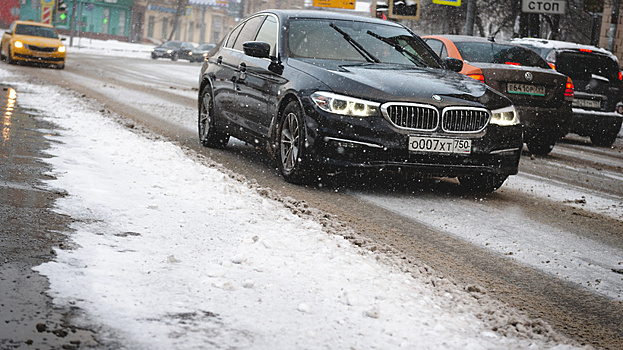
point(8, 32)
point(257, 49)
point(453, 64)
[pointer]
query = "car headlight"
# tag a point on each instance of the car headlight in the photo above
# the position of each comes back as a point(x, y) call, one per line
point(505, 116)
point(18, 44)
point(61, 48)
point(169, 51)
point(344, 105)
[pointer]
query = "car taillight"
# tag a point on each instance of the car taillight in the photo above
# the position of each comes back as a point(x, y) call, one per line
point(512, 63)
point(620, 76)
point(569, 90)
point(552, 65)
point(478, 77)
point(586, 50)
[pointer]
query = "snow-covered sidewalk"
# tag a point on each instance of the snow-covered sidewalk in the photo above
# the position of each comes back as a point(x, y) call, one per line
point(170, 252)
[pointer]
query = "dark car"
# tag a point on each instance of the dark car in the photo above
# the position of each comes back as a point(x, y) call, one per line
point(174, 50)
point(598, 86)
point(541, 95)
point(199, 53)
point(333, 92)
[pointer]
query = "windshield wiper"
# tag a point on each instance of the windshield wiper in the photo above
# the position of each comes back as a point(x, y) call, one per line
point(363, 52)
point(415, 59)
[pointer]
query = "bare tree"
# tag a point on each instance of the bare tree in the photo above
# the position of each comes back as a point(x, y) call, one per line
point(180, 7)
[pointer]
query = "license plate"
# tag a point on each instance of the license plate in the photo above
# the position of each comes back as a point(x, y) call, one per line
point(586, 103)
point(525, 89)
point(439, 145)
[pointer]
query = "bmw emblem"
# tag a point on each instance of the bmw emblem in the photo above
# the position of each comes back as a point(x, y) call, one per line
point(528, 76)
point(437, 98)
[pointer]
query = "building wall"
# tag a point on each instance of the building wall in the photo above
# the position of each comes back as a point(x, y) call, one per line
point(202, 22)
point(605, 30)
point(101, 19)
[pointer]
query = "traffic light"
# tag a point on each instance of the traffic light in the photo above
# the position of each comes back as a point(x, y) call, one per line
point(61, 6)
point(61, 12)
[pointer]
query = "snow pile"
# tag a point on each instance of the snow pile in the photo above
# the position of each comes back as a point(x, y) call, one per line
point(172, 253)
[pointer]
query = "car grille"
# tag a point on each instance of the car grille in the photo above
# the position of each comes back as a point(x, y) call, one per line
point(461, 119)
point(412, 116)
point(423, 117)
point(41, 49)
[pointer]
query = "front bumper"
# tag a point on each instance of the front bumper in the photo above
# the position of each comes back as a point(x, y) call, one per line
point(374, 143)
point(26, 55)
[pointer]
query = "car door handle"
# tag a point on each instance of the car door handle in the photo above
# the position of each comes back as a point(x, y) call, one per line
point(219, 60)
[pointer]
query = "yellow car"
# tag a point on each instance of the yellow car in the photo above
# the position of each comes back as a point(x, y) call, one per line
point(28, 41)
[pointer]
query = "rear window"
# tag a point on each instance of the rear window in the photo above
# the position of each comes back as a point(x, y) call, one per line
point(582, 66)
point(500, 53)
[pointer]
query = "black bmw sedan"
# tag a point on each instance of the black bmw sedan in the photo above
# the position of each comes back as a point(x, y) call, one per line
point(329, 92)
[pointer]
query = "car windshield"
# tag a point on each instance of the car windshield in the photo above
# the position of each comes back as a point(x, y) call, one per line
point(581, 66)
point(172, 44)
point(45, 32)
point(205, 47)
point(358, 42)
point(500, 53)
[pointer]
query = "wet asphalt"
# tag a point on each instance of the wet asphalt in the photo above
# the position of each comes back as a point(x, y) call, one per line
point(29, 232)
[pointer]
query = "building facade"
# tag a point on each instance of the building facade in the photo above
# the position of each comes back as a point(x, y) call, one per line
point(604, 36)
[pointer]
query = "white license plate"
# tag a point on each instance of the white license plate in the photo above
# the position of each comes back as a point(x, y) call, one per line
point(439, 145)
point(525, 89)
point(586, 103)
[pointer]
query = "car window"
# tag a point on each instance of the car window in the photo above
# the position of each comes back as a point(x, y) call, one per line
point(268, 33)
point(172, 44)
point(248, 31)
point(500, 53)
point(187, 46)
point(45, 32)
point(435, 45)
point(317, 39)
point(233, 36)
point(582, 66)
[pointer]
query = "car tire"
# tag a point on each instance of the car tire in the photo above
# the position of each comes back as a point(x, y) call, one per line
point(209, 135)
point(605, 138)
point(291, 160)
point(484, 183)
point(153, 56)
point(174, 56)
point(541, 147)
point(9, 58)
point(60, 66)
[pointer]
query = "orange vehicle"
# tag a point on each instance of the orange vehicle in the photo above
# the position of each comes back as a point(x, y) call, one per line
point(28, 41)
point(542, 96)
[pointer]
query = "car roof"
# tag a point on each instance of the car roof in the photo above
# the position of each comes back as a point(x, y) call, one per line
point(33, 23)
point(290, 14)
point(469, 38)
point(562, 45)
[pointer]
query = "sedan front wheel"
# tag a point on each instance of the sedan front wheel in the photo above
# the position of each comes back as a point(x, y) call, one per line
point(292, 162)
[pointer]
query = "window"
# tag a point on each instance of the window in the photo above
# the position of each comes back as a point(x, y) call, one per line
point(233, 36)
point(498, 53)
point(165, 28)
point(121, 25)
point(437, 46)
point(268, 33)
point(150, 26)
point(248, 32)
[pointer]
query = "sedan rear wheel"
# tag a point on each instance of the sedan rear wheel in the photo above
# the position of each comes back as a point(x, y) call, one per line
point(209, 135)
point(291, 145)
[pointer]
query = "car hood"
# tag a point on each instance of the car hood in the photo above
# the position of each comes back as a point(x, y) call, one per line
point(397, 83)
point(37, 40)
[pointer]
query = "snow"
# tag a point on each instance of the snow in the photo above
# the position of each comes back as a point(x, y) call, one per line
point(170, 251)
